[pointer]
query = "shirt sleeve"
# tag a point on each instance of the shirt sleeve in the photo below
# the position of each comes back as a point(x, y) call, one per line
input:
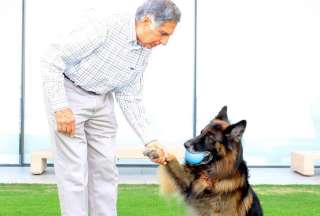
point(78, 44)
point(130, 100)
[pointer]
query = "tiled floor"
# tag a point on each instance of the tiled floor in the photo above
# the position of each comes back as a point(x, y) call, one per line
point(147, 175)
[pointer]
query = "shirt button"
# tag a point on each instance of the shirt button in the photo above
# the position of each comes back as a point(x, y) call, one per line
point(131, 68)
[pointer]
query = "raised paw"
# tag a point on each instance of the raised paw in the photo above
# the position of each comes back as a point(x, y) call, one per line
point(151, 153)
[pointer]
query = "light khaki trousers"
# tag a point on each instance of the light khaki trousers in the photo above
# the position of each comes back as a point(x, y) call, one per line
point(85, 164)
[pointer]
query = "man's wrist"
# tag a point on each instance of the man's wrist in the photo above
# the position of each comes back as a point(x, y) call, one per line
point(152, 142)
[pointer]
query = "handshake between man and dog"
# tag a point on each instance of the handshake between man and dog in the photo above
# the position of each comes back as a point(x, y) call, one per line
point(217, 185)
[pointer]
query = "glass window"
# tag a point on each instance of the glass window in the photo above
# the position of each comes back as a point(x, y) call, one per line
point(261, 58)
point(168, 77)
point(10, 55)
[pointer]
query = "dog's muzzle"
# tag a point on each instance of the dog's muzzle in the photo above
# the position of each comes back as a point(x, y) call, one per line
point(197, 158)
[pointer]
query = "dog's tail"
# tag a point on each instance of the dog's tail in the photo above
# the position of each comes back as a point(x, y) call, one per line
point(167, 185)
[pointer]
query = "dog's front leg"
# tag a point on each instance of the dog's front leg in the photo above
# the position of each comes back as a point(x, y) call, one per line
point(181, 176)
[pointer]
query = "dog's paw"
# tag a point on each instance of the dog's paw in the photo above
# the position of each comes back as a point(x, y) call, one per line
point(151, 153)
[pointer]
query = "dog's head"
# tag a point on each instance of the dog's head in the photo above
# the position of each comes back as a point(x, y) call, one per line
point(220, 140)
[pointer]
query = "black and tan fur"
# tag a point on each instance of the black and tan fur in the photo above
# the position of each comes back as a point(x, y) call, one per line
point(219, 187)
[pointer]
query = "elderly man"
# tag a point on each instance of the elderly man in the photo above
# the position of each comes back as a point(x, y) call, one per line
point(81, 75)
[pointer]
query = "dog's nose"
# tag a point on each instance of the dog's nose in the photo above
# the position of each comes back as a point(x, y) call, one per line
point(187, 144)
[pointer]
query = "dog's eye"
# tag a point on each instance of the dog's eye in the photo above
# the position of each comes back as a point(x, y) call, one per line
point(216, 127)
point(211, 133)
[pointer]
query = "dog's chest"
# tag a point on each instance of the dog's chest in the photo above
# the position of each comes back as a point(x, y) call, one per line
point(212, 206)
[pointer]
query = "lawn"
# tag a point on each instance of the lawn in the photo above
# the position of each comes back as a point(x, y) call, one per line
point(143, 200)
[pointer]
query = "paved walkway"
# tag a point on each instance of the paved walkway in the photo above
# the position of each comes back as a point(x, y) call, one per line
point(147, 175)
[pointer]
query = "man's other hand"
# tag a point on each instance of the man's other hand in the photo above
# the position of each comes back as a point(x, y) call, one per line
point(65, 121)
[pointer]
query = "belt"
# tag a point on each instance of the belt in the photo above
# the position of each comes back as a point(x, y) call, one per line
point(90, 92)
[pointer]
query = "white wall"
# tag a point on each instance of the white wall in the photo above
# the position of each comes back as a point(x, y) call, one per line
point(168, 78)
point(10, 55)
point(261, 58)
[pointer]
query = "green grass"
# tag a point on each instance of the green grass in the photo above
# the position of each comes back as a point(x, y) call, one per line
point(143, 200)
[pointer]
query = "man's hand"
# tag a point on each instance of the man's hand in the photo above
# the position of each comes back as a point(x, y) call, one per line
point(65, 121)
point(155, 152)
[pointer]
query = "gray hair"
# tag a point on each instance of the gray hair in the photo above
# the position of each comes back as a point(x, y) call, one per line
point(159, 11)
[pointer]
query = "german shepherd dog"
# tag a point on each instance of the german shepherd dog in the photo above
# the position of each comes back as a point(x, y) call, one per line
point(219, 185)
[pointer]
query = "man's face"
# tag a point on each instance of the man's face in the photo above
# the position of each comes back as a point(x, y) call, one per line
point(150, 36)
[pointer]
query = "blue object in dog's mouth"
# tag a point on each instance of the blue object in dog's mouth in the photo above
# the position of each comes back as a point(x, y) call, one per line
point(195, 158)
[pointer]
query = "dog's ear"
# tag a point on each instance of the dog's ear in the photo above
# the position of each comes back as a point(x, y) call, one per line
point(234, 132)
point(222, 115)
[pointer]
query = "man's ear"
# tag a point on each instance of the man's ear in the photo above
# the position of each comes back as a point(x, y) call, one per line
point(145, 20)
point(222, 115)
point(234, 132)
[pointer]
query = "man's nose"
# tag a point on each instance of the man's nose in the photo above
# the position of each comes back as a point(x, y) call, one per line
point(164, 41)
